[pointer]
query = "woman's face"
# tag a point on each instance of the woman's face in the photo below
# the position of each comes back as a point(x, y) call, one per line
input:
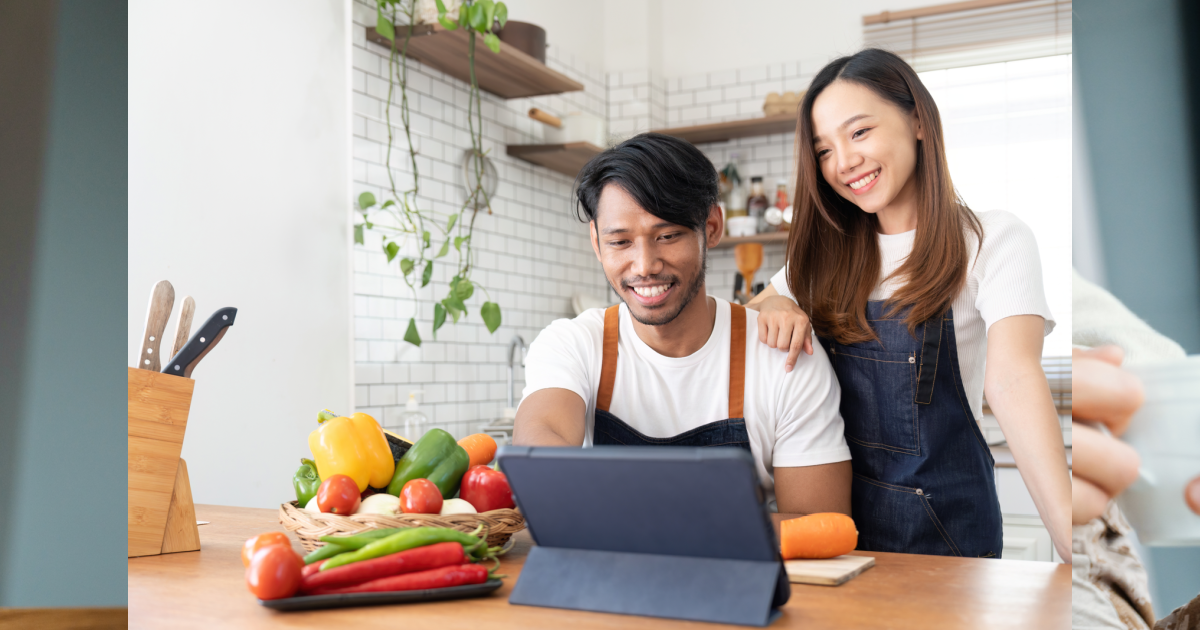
point(866, 148)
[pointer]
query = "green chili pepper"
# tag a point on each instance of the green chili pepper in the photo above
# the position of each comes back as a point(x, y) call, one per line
point(407, 538)
point(436, 457)
point(328, 551)
point(306, 481)
point(362, 539)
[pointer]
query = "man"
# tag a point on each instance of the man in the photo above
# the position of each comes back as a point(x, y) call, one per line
point(673, 365)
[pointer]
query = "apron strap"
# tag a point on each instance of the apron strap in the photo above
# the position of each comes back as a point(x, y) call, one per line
point(931, 343)
point(737, 359)
point(608, 369)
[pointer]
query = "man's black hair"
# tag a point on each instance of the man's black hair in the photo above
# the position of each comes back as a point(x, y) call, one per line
point(668, 177)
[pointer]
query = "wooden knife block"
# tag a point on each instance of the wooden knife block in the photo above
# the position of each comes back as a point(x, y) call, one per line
point(162, 518)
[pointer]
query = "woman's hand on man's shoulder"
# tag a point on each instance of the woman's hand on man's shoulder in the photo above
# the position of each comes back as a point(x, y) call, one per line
point(784, 326)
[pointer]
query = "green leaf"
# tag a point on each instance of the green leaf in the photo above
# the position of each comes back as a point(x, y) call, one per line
point(358, 234)
point(406, 265)
point(425, 239)
point(490, 312)
point(478, 17)
point(439, 317)
point(446, 22)
point(366, 200)
point(502, 13)
point(444, 250)
point(489, 12)
point(492, 42)
point(389, 202)
point(454, 307)
point(464, 290)
point(463, 15)
point(411, 335)
point(385, 30)
point(427, 274)
point(391, 249)
point(459, 240)
point(450, 223)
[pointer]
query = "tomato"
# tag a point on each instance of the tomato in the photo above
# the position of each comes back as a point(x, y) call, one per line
point(486, 489)
point(420, 496)
point(274, 572)
point(338, 494)
point(262, 540)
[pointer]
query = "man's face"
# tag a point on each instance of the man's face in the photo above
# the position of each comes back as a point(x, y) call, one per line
point(655, 266)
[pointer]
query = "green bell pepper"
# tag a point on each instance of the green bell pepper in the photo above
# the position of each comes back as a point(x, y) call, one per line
point(306, 481)
point(436, 457)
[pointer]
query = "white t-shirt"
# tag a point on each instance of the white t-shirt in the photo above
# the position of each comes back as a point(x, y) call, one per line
point(1005, 280)
point(792, 417)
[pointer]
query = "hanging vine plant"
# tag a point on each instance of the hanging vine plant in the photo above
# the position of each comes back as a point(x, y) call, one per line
point(403, 221)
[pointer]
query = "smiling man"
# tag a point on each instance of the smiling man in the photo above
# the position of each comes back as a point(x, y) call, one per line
point(672, 365)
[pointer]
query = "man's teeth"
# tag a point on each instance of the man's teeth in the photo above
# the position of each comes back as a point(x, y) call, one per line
point(864, 181)
point(649, 292)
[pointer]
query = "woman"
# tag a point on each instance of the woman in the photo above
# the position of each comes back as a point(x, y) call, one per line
point(922, 306)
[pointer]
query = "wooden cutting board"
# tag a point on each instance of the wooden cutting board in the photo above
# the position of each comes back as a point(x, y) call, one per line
point(829, 572)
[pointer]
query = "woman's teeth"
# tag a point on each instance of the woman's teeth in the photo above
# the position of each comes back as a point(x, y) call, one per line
point(653, 291)
point(864, 181)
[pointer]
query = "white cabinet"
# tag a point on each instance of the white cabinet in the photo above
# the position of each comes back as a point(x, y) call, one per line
point(1025, 538)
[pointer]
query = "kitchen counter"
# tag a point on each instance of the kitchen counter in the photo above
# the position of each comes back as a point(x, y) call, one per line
point(206, 589)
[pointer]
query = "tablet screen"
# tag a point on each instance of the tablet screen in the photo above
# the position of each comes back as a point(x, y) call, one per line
point(699, 502)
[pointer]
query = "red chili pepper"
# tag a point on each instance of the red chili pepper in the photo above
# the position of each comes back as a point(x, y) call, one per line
point(433, 578)
point(412, 560)
point(311, 569)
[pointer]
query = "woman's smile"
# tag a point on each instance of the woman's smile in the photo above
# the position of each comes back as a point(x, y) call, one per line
point(861, 185)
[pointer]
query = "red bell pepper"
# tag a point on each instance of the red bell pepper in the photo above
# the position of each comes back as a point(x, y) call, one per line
point(486, 489)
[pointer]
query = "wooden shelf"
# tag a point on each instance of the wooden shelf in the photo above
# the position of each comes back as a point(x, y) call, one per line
point(766, 238)
point(567, 159)
point(507, 74)
point(719, 132)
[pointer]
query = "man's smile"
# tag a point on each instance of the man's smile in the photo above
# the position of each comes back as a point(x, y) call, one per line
point(651, 294)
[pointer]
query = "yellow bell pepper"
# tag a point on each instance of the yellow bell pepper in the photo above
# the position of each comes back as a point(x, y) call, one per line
point(355, 447)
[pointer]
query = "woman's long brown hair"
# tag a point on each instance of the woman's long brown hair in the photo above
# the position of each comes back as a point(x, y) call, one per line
point(833, 250)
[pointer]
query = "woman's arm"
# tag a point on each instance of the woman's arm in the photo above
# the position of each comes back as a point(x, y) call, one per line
point(1016, 390)
point(782, 324)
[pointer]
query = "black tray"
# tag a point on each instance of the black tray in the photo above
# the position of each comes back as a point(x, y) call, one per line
point(315, 602)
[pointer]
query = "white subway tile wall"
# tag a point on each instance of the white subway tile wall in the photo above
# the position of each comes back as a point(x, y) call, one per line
point(531, 254)
point(637, 103)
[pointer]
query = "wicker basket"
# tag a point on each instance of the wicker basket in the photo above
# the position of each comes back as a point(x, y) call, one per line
point(310, 526)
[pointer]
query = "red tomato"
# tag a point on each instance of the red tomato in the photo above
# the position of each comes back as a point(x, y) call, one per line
point(486, 489)
point(338, 494)
point(420, 496)
point(274, 572)
point(262, 540)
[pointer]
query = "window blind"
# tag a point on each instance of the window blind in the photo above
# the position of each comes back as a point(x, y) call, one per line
point(972, 33)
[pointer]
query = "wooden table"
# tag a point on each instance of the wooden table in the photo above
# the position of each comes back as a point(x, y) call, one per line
point(206, 589)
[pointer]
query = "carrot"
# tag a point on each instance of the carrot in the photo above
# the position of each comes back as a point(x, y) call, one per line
point(822, 535)
point(410, 561)
point(456, 575)
point(480, 446)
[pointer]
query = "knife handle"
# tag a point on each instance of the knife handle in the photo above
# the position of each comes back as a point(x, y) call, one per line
point(210, 332)
point(183, 327)
point(187, 369)
point(162, 298)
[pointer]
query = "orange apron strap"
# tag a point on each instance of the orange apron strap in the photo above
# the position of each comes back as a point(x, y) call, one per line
point(608, 369)
point(737, 359)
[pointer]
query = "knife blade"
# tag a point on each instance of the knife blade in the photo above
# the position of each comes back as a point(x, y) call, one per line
point(162, 299)
point(183, 327)
point(201, 343)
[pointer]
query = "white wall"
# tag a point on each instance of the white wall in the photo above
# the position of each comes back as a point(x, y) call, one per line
point(239, 135)
point(573, 28)
point(713, 35)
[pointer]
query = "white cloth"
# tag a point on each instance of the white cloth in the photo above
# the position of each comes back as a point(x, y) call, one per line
point(792, 417)
point(1005, 280)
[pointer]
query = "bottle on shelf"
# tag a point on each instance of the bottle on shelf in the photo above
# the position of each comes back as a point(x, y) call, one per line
point(757, 204)
point(735, 206)
point(413, 423)
point(775, 214)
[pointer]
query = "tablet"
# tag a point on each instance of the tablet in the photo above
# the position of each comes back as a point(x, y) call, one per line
point(686, 501)
point(667, 531)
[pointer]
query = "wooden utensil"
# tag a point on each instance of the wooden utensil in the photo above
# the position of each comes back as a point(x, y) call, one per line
point(748, 257)
point(545, 117)
point(183, 327)
point(830, 572)
point(162, 299)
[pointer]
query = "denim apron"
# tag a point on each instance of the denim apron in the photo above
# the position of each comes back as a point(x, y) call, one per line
point(609, 429)
point(924, 479)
